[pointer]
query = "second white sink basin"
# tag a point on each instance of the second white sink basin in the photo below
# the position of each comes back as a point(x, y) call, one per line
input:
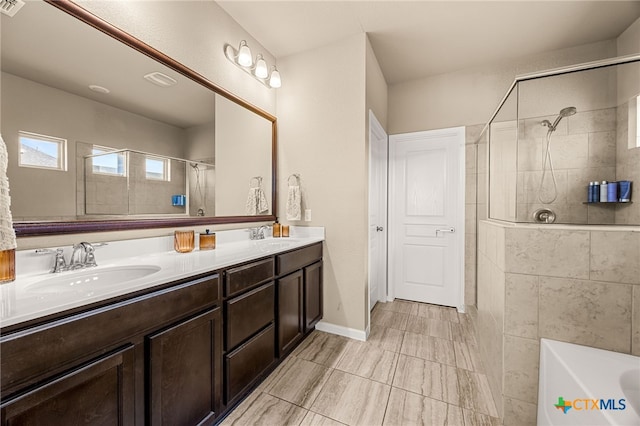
point(90, 280)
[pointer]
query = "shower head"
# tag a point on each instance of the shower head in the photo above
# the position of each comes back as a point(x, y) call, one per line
point(564, 112)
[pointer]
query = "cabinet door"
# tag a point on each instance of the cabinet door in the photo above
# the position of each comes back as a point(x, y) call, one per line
point(184, 365)
point(98, 393)
point(312, 296)
point(290, 327)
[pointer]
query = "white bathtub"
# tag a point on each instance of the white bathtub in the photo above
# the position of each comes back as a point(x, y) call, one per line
point(597, 387)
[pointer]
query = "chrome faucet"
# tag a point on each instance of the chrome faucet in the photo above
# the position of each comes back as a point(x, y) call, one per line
point(86, 257)
point(257, 233)
point(82, 256)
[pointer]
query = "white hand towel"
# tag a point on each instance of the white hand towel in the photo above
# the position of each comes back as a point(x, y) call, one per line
point(293, 203)
point(252, 202)
point(7, 234)
point(263, 206)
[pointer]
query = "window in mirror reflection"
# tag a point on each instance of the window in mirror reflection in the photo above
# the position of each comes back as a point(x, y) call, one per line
point(104, 163)
point(41, 151)
point(158, 168)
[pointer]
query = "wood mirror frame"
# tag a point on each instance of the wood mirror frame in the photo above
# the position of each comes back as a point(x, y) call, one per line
point(25, 229)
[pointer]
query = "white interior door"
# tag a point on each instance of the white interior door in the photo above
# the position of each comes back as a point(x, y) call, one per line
point(378, 160)
point(426, 216)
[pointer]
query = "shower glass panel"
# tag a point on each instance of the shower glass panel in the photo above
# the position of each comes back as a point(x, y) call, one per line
point(128, 182)
point(557, 132)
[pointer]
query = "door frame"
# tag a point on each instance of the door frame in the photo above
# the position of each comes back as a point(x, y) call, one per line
point(376, 127)
point(459, 134)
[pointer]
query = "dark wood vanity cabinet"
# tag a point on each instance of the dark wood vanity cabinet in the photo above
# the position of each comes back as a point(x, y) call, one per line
point(312, 295)
point(181, 354)
point(185, 376)
point(151, 359)
point(249, 326)
point(100, 392)
point(290, 311)
point(299, 294)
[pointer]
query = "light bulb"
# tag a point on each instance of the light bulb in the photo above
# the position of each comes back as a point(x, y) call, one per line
point(244, 55)
point(261, 68)
point(275, 81)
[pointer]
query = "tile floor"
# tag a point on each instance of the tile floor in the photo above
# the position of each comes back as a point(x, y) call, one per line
point(420, 366)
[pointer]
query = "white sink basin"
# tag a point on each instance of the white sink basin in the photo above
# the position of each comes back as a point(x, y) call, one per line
point(90, 280)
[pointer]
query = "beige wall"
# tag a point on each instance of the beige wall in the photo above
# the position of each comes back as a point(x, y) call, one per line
point(245, 154)
point(470, 96)
point(321, 119)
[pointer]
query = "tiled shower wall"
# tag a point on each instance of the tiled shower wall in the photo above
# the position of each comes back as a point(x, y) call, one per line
point(572, 284)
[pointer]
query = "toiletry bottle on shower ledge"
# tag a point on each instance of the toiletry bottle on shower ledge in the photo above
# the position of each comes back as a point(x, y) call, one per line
point(612, 192)
point(590, 192)
point(596, 192)
point(603, 191)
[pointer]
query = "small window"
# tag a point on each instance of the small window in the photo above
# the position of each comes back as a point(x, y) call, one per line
point(157, 168)
point(107, 162)
point(42, 152)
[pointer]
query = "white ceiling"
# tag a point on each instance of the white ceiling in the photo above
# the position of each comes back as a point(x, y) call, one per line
point(414, 39)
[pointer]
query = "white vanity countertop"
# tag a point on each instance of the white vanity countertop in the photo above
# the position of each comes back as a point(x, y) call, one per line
point(20, 303)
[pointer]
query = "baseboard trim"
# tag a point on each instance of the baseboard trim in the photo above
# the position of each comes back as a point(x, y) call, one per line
point(351, 333)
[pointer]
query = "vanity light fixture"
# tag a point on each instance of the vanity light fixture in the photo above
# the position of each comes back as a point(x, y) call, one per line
point(259, 69)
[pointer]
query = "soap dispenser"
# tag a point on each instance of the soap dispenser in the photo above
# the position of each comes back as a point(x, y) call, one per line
point(207, 240)
point(276, 230)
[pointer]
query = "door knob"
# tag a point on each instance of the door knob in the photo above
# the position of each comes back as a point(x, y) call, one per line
point(379, 228)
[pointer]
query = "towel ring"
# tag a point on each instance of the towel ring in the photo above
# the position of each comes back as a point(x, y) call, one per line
point(296, 177)
point(257, 180)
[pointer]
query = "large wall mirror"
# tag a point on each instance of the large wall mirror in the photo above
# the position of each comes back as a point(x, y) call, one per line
point(106, 133)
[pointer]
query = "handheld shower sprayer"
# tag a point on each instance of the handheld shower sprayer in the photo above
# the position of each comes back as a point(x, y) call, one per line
point(551, 197)
point(564, 112)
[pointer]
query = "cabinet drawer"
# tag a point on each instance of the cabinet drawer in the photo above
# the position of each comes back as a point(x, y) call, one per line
point(244, 365)
point(294, 260)
point(244, 277)
point(248, 313)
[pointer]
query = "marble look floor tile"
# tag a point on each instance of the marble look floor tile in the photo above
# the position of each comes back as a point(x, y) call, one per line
point(428, 378)
point(352, 400)
point(268, 381)
point(468, 357)
point(463, 333)
point(389, 339)
point(263, 409)
point(367, 361)
point(472, 418)
point(407, 408)
point(429, 348)
point(475, 393)
point(315, 419)
point(429, 327)
point(322, 348)
point(299, 382)
point(435, 312)
point(400, 306)
point(389, 319)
